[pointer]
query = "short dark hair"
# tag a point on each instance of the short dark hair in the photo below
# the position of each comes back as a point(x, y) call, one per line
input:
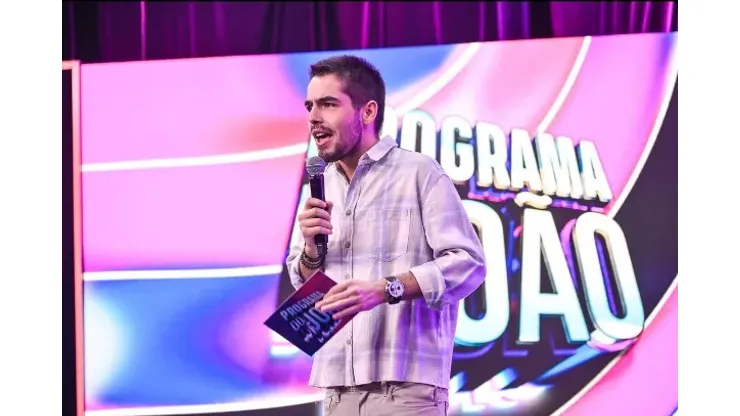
point(362, 81)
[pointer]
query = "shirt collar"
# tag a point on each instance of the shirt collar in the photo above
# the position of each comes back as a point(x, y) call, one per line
point(381, 148)
point(375, 154)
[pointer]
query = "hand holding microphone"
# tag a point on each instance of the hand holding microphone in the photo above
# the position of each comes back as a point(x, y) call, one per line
point(315, 219)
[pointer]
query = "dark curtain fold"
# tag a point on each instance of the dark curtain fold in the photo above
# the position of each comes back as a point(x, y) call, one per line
point(130, 31)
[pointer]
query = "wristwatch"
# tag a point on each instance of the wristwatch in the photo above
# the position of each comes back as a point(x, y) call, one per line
point(394, 289)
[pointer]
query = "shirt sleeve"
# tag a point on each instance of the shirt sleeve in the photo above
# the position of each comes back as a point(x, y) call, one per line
point(459, 266)
point(293, 262)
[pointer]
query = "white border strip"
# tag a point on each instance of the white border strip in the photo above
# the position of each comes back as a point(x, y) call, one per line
point(255, 156)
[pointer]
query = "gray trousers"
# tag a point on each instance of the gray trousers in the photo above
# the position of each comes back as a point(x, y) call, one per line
point(386, 399)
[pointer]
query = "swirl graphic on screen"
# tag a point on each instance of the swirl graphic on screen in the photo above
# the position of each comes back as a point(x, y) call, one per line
point(558, 149)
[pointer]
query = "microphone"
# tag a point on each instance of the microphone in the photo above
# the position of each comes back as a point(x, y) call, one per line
point(315, 167)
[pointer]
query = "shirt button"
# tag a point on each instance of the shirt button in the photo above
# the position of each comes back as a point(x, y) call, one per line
point(346, 276)
point(348, 212)
point(347, 244)
point(349, 342)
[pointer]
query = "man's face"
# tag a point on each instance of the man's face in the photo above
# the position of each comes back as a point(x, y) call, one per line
point(334, 124)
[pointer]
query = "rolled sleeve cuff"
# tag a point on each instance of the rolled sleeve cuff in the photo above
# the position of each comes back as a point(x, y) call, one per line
point(432, 284)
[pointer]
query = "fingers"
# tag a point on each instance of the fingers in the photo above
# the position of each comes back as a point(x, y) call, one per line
point(334, 294)
point(331, 295)
point(341, 301)
point(314, 226)
point(347, 312)
point(315, 218)
point(314, 213)
point(338, 288)
point(339, 304)
point(314, 203)
point(316, 208)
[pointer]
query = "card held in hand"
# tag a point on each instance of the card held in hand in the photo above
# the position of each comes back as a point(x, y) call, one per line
point(299, 322)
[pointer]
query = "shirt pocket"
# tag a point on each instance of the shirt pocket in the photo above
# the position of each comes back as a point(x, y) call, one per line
point(390, 229)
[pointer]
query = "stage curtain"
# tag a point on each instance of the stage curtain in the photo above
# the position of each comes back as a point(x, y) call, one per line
point(131, 31)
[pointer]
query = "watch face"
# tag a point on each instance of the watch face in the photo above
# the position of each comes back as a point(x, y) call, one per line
point(395, 289)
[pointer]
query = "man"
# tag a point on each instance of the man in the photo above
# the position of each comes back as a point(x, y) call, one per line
point(400, 245)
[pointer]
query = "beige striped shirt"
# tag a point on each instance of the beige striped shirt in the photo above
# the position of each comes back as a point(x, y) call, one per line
point(399, 213)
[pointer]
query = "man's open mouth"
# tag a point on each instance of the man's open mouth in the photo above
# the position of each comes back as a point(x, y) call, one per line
point(321, 137)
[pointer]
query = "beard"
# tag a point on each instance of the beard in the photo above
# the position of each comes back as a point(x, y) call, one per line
point(345, 142)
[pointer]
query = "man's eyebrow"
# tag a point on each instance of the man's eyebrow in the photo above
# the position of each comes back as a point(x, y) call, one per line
point(325, 99)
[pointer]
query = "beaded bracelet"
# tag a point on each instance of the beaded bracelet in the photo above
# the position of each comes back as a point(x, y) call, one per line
point(311, 263)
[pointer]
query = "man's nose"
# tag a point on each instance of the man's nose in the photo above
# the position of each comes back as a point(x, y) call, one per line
point(314, 119)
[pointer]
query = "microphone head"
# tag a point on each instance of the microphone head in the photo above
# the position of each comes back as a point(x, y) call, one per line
point(315, 166)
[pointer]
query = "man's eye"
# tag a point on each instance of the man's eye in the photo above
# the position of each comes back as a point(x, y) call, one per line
point(329, 105)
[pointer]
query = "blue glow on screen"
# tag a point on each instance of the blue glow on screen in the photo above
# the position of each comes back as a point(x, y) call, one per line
point(392, 63)
point(173, 353)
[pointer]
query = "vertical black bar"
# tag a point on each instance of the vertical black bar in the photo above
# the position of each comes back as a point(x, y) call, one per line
point(69, 363)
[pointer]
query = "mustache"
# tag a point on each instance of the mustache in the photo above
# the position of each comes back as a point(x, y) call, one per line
point(321, 128)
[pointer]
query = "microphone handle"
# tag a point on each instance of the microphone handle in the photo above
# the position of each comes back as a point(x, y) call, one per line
point(316, 183)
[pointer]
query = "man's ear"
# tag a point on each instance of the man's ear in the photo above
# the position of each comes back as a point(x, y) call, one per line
point(370, 112)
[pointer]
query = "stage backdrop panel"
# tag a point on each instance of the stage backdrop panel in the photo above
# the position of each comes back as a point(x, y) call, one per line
point(193, 172)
